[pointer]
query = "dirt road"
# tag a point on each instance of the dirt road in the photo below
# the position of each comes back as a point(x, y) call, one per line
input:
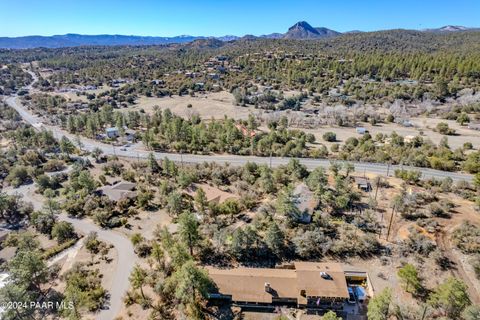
point(126, 255)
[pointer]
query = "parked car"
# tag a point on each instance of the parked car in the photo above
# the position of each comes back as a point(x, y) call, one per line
point(351, 296)
point(360, 293)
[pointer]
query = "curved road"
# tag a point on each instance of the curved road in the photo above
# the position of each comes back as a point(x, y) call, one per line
point(125, 252)
point(136, 151)
point(126, 261)
point(126, 255)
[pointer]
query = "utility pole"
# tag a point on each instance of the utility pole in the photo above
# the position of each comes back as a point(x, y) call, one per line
point(391, 221)
point(270, 158)
point(388, 169)
point(378, 184)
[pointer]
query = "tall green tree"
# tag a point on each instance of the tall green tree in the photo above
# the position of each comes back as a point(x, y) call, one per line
point(63, 231)
point(408, 274)
point(66, 146)
point(188, 230)
point(138, 279)
point(201, 200)
point(379, 305)
point(274, 238)
point(28, 273)
point(191, 284)
point(451, 297)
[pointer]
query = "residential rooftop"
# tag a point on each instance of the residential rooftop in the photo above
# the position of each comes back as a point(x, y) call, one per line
point(306, 280)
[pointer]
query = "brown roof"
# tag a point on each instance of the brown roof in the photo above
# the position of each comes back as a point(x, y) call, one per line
point(309, 279)
point(248, 284)
point(212, 194)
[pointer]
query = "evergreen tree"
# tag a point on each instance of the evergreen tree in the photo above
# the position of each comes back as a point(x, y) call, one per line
point(274, 239)
point(451, 297)
point(408, 274)
point(188, 230)
point(379, 305)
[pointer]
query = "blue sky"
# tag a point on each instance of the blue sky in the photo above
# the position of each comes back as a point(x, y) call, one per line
point(215, 17)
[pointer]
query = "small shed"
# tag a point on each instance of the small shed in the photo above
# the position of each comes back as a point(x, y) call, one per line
point(363, 184)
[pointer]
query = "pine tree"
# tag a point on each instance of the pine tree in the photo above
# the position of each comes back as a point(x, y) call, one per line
point(275, 238)
point(379, 305)
point(188, 230)
point(409, 276)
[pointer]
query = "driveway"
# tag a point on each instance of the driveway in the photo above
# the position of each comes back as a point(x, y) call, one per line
point(126, 255)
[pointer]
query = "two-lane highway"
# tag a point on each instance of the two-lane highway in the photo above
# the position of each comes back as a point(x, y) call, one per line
point(136, 151)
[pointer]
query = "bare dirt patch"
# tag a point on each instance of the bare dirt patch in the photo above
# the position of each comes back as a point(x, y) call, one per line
point(146, 222)
point(422, 125)
point(211, 105)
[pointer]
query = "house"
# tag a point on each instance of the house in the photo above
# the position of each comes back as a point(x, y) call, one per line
point(360, 130)
point(213, 195)
point(363, 184)
point(119, 191)
point(304, 284)
point(305, 202)
point(111, 132)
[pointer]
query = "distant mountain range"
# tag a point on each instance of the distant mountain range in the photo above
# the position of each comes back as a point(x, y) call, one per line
point(300, 30)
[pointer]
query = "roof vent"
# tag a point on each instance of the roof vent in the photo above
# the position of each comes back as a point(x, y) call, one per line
point(268, 288)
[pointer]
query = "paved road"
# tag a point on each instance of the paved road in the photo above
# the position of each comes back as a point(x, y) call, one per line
point(125, 252)
point(126, 255)
point(136, 151)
